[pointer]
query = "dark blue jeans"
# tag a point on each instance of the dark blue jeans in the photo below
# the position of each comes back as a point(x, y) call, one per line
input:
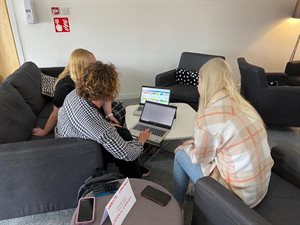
point(183, 171)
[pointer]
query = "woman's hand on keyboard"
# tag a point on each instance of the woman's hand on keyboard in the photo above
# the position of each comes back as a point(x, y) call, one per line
point(144, 135)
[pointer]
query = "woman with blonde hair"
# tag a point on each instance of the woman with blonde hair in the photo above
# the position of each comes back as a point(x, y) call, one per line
point(79, 60)
point(230, 141)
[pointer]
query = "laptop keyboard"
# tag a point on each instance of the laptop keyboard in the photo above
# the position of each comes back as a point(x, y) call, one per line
point(154, 131)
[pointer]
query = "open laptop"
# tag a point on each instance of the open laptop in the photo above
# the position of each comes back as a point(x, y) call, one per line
point(159, 118)
point(153, 94)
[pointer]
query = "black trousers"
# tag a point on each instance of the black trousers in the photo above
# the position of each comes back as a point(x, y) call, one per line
point(130, 169)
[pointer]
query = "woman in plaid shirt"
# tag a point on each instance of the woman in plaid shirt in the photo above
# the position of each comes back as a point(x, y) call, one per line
point(230, 141)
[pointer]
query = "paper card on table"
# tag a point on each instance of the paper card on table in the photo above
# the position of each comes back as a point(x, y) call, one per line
point(120, 204)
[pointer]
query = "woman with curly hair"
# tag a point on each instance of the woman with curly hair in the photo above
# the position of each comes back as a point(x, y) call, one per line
point(79, 117)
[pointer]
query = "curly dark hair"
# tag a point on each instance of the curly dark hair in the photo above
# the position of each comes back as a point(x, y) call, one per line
point(99, 81)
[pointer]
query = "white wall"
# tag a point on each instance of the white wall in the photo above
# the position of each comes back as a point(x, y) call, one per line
point(146, 37)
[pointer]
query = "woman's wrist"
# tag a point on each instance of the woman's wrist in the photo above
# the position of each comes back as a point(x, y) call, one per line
point(109, 115)
point(141, 142)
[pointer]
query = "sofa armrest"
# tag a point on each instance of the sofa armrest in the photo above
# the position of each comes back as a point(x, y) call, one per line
point(52, 71)
point(165, 79)
point(44, 175)
point(278, 78)
point(214, 205)
point(286, 163)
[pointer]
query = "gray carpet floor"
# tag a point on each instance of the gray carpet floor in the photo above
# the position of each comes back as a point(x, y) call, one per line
point(160, 166)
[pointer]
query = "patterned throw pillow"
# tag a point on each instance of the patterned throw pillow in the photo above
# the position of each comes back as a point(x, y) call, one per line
point(186, 77)
point(48, 84)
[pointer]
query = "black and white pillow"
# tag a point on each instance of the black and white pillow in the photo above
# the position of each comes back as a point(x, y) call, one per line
point(186, 77)
point(48, 85)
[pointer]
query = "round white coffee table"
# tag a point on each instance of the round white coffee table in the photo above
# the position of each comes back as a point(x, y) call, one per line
point(183, 125)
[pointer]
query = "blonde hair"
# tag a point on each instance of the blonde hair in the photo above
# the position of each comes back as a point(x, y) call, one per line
point(99, 82)
point(79, 60)
point(216, 75)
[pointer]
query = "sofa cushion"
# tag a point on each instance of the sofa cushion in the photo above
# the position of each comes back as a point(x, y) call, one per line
point(293, 81)
point(184, 93)
point(48, 85)
point(27, 80)
point(46, 110)
point(16, 117)
point(186, 77)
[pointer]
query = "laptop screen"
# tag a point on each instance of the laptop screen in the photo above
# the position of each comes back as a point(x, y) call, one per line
point(158, 114)
point(154, 94)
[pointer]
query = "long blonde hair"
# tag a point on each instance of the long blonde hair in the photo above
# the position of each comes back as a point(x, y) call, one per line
point(79, 60)
point(216, 75)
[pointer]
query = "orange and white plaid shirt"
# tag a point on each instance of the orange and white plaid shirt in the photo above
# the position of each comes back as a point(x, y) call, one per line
point(232, 148)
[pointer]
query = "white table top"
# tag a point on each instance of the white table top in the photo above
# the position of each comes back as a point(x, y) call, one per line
point(183, 125)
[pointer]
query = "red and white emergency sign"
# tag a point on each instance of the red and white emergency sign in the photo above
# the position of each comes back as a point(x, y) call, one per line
point(55, 10)
point(61, 24)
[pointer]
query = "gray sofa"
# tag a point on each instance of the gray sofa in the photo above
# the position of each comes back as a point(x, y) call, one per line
point(37, 174)
point(214, 204)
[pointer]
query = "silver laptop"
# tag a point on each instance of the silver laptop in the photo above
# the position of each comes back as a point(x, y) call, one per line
point(153, 94)
point(158, 118)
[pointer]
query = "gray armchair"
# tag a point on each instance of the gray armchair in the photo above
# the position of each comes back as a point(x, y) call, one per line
point(214, 204)
point(277, 105)
point(184, 93)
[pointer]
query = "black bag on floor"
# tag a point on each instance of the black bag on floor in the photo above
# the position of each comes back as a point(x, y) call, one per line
point(99, 177)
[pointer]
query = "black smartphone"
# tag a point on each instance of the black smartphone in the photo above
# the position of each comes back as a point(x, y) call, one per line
point(156, 195)
point(86, 210)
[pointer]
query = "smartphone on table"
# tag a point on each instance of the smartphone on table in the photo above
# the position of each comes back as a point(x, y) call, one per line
point(156, 195)
point(86, 210)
